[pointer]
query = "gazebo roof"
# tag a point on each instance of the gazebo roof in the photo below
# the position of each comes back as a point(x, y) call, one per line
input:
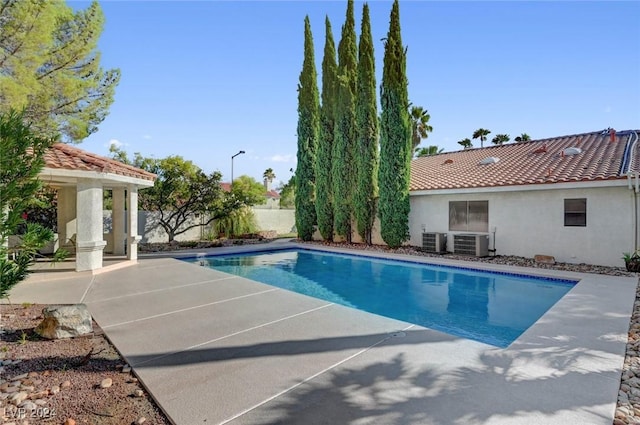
point(65, 164)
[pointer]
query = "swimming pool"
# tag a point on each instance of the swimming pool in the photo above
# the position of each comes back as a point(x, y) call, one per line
point(490, 307)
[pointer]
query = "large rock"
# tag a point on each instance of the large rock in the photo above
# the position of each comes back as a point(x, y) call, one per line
point(544, 259)
point(65, 321)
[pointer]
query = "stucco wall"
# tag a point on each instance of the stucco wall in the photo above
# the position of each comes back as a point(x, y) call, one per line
point(532, 222)
point(282, 221)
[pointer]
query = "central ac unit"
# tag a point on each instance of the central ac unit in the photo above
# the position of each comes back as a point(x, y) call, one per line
point(434, 242)
point(471, 244)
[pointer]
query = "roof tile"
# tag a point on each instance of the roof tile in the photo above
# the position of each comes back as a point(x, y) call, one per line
point(532, 162)
point(68, 157)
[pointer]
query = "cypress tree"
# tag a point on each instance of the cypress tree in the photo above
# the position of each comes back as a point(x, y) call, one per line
point(324, 188)
point(343, 166)
point(395, 139)
point(367, 133)
point(308, 126)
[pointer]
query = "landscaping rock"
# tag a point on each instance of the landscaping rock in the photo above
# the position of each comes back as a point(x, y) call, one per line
point(544, 259)
point(18, 398)
point(65, 321)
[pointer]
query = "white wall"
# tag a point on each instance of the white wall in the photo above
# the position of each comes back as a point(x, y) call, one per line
point(282, 221)
point(532, 222)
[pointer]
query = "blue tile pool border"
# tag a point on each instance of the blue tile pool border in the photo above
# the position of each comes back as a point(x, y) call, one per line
point(564, 281)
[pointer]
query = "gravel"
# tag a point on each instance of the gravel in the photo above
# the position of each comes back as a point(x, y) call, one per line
point(78, 380)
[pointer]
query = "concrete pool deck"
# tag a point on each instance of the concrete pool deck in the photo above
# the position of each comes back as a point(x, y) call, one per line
point(213, 348)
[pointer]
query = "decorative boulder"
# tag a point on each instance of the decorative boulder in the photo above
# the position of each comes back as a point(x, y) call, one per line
point(65, 321)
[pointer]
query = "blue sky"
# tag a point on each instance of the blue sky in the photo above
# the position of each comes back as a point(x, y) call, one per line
point(205, 79)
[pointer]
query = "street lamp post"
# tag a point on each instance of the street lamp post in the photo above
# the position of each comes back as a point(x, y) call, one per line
point(233, 156)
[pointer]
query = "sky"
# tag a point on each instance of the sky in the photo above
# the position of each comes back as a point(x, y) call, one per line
point(207, 79)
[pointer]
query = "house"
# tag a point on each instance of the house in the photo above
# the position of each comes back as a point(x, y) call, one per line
point(273, 197)
point(574, 198)
point(80, 178)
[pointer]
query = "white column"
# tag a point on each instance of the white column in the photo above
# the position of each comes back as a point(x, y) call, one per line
point(89, 241)
point(67, 217)
point(132, 222)
point(117, 221)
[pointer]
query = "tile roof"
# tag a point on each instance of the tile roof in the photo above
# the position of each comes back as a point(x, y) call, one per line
point(67, 157)
point(272, 194)
point(533, 162)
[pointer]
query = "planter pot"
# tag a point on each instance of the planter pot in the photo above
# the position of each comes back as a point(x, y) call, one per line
point(633, 264)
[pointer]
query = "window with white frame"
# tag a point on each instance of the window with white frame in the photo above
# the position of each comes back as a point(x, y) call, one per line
point(469, 216)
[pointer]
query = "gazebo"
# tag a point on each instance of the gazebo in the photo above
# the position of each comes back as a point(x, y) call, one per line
point(80, 178)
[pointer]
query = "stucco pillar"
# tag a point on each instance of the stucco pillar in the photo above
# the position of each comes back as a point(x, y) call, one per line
point(89, 241)
point(67, 218)
point(132, 222)
point(117, 221)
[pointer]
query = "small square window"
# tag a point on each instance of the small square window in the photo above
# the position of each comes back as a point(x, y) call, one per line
point(575, 212)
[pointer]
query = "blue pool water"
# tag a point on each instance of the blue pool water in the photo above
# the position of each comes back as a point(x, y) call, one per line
point(493, 308)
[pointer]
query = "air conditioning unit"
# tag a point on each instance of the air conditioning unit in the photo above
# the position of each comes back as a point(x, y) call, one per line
point(471, 244)
point(434, 242)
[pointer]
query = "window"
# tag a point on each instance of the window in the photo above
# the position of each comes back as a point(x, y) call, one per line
point(469, 216)
point(575, 212)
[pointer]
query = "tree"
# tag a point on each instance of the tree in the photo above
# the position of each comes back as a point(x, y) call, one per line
point(395, 139)
point(21, 160)
point(524, 137)
point(428, 151)
point(239, 222)
point(420, 127)
point(343, 166)
point(308, 127)
point(481, 134)
point(182, 191)
point(324, 156)
point(50, 67)
point(366, 193)
point(288, 193)
point(269, 175)
point(500, 139)
point(465, 143)
point(248, 191)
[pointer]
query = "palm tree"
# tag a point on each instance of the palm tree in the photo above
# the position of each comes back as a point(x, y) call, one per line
point(466, 143)
point(500, 139)
point(419, 124)
point(269, 175)
point(428, 151)
point(523, 138)
point(481, 134)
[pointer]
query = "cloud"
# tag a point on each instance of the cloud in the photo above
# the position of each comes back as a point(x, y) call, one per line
point(116, 143)
point(282, 158)
point(146, 137)
point(607, 109)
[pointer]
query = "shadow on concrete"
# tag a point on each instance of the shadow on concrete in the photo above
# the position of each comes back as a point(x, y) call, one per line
point(282, 348)
point(395, 393)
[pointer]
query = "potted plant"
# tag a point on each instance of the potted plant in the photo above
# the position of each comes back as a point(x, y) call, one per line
point(632, 261)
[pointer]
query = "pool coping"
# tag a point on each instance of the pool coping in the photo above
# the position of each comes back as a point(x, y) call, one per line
point(564, 369)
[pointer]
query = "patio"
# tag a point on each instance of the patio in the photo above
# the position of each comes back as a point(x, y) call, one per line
point(215, 348)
